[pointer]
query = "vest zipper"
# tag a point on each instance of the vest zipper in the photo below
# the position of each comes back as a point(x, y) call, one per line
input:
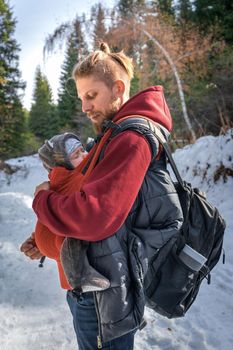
point(99, 337)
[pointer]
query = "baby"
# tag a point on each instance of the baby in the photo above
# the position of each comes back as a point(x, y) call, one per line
point(66, 150)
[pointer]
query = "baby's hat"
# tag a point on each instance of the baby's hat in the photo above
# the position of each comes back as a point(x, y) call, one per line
point(56, 151)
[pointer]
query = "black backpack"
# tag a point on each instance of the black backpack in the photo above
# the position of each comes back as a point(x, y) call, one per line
point(175, 272)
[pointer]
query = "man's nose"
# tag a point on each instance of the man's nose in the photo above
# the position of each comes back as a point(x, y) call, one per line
point(86, 106)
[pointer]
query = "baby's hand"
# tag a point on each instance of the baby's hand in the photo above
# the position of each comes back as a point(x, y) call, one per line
point(43, 186)
point(30, 249)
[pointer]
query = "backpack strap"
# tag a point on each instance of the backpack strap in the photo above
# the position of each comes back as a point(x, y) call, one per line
point(133, 123)
point(152, 131)
point(158, 134)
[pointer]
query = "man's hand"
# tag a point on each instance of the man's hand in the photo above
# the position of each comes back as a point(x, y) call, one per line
point(43, 186)
point(30, 249)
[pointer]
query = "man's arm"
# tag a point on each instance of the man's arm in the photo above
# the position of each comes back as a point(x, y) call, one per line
point(101, 207)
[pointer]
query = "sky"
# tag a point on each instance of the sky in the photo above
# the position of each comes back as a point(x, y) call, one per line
point(35, 20)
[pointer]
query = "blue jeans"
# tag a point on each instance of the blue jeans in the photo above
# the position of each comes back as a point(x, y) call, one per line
point(86, 325)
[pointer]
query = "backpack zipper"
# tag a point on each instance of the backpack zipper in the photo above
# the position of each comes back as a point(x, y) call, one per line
point(99, 337)
point(140, 270)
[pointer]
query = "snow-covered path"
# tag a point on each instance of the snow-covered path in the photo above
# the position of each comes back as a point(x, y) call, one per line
point(34, 314)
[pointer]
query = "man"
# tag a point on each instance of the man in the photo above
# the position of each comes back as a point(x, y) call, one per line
point(108, 200)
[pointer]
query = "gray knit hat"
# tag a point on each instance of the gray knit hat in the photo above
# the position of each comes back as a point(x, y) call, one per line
point(56, 151)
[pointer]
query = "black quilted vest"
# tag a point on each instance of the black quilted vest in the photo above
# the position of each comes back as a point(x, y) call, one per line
point(123, 258)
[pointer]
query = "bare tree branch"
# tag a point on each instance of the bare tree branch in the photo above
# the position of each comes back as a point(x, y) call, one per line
point(57, 37)
point(178, 80)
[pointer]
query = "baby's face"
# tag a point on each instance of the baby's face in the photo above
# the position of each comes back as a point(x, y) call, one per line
point(77, 156)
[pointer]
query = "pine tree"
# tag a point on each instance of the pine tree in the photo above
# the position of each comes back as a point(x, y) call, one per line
point(12, 121)
point(184, 8)
point(127, 8)
point(165, 6)
point(69, 106)
point(43, 119)
point(99, 32)
point(208, 13)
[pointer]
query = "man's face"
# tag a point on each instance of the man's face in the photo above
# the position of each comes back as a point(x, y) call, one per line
point(99, 102)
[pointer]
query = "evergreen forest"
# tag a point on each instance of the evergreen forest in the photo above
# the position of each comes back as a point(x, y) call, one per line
point(184, 45)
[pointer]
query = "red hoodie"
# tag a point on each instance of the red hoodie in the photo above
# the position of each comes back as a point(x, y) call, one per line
point(100, 208)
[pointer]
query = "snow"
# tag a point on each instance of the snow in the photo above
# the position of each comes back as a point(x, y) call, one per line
point(34, 314)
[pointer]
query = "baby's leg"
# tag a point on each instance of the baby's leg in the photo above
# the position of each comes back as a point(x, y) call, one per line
point(80, 274)
point(72, 259)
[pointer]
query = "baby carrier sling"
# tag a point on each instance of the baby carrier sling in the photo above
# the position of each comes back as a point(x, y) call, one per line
point(176, 269)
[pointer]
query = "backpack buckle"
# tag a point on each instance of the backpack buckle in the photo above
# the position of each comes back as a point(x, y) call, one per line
point(109, 124)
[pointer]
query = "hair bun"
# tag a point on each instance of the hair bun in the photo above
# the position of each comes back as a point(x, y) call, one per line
point(104, 47)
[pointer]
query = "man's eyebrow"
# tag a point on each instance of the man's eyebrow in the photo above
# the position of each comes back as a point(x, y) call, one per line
point(86, 93)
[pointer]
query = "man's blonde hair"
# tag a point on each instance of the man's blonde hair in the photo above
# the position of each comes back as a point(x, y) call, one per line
point(106, 66)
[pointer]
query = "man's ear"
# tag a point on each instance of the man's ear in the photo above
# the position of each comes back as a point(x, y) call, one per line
point(118, 88)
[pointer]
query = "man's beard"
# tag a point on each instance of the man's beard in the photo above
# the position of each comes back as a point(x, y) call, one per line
point(98, 128)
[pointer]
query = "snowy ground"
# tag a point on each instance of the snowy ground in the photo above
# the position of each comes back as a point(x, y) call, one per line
point(34, 314)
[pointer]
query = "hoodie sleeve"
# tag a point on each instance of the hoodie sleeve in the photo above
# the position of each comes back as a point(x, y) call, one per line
point(101, 207)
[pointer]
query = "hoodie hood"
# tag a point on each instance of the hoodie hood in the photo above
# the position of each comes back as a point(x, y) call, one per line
point(149, 103)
